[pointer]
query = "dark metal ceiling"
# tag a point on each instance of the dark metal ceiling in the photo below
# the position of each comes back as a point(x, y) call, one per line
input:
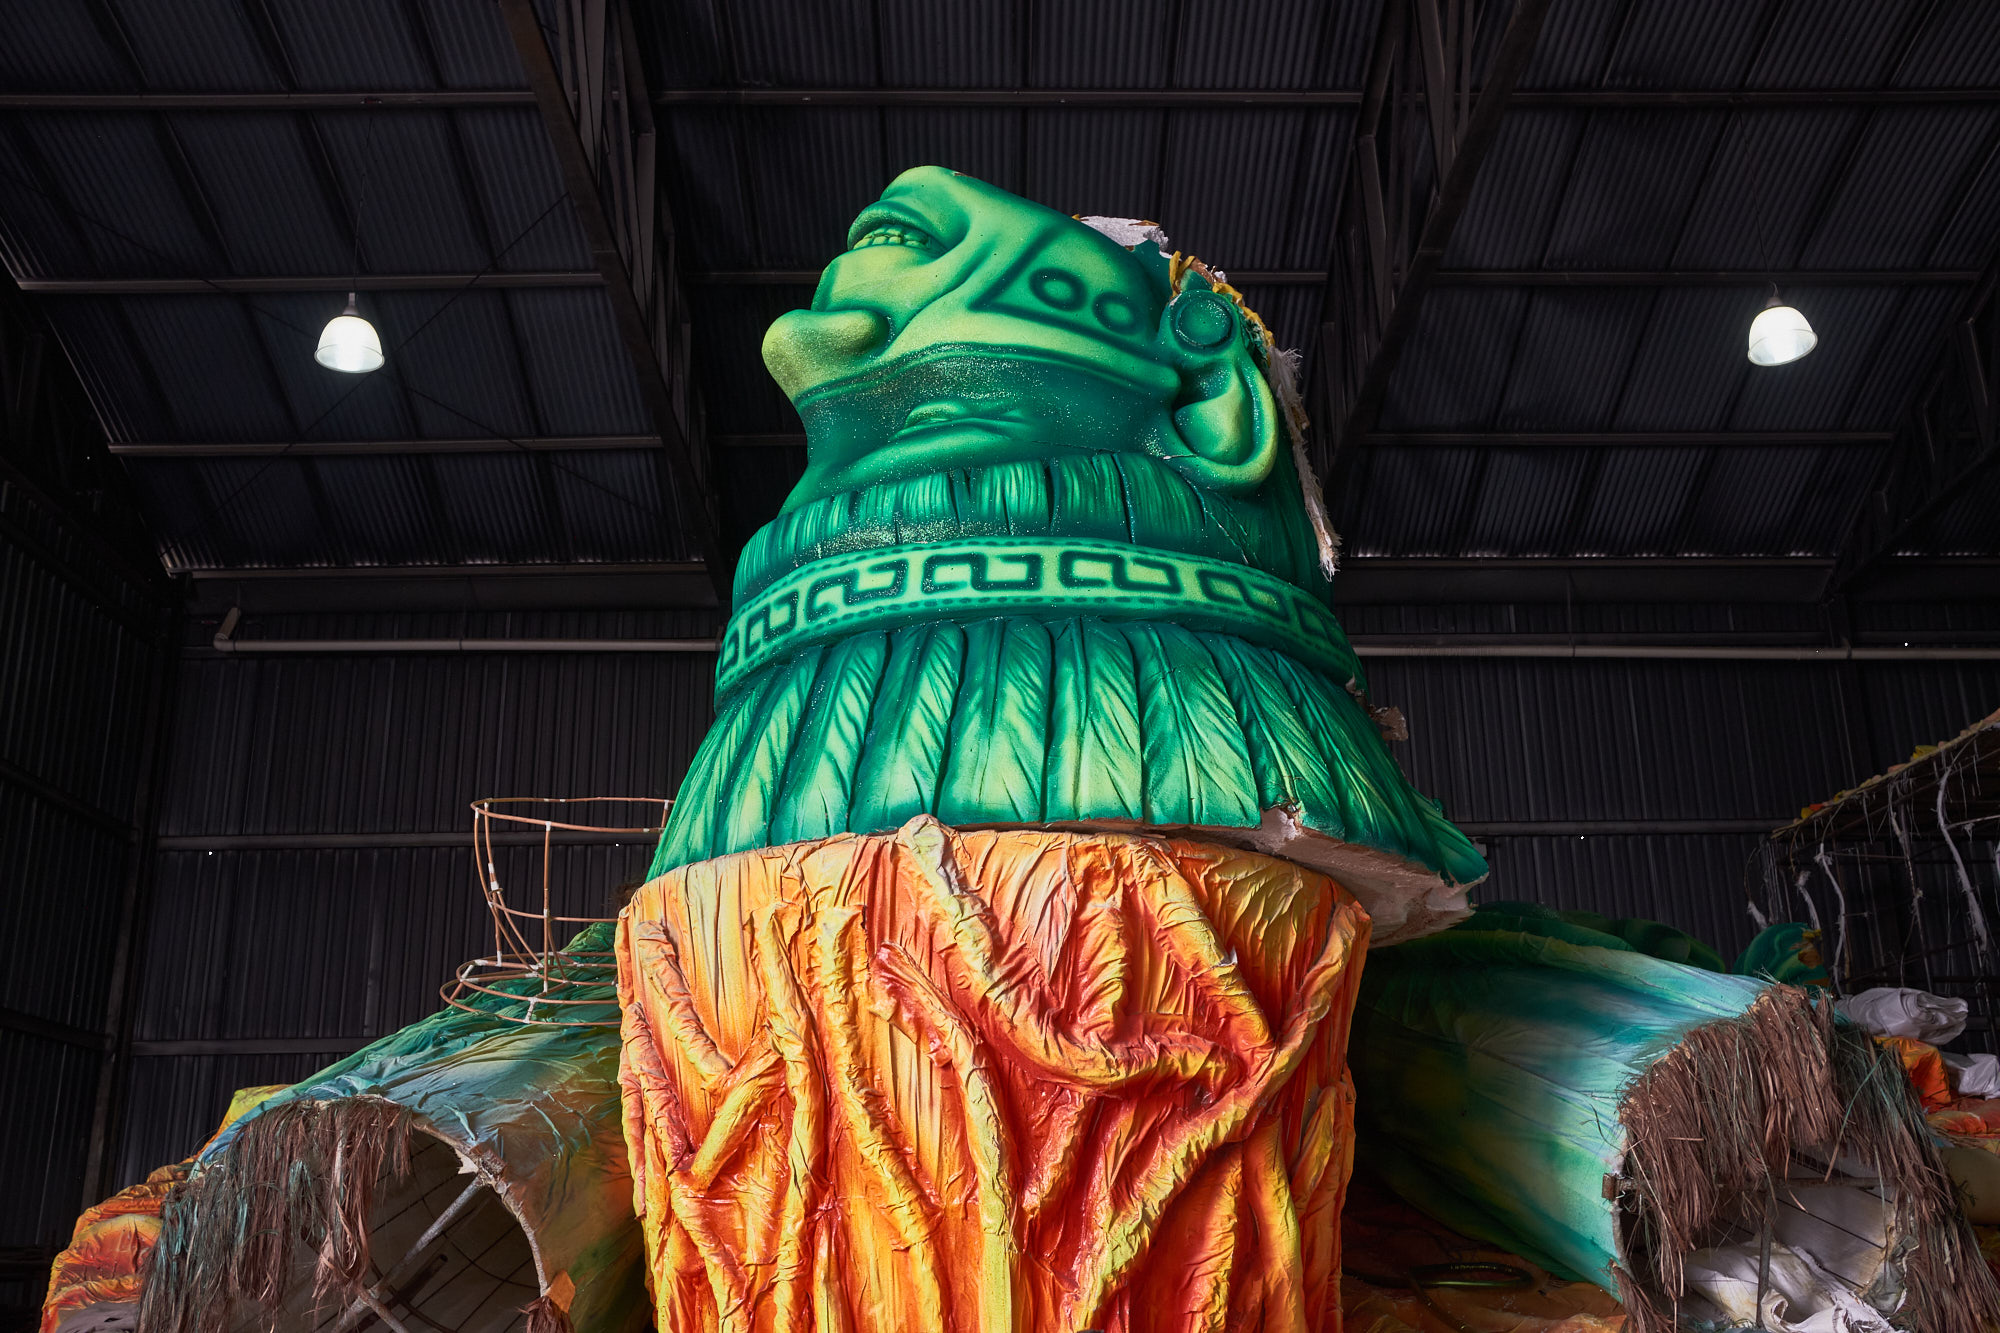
point(1554, 373)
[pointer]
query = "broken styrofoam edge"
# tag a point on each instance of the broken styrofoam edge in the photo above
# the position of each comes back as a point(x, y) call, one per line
point(1129, 232)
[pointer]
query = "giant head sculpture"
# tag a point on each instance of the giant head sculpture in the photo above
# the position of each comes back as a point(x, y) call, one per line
point(966, 326)
point(1056, 561)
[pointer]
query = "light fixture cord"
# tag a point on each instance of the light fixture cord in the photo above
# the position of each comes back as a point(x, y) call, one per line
point(361, 198)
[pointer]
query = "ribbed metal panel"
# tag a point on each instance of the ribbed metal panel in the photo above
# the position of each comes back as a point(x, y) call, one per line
point(208, 358)
point(115, 179)
point(1102, 162)
point(294, 510)
point(925, 45)
point(256, 174)
point(471, 44)
point(1524, 501)
point(980, 142)
point(1830, 44)
point(196, 46)
point(1292, 44)
point(1576, 40)
point(1964, 526)
point(79, 665)
point(61, 51)
point(805, 44)
point(1915, 155)
point(1691, 44)
point(1770, 171)
point(1116, 44)
point(1411, 498)
point(1690, 362)
point(1747, 501)
point(1515, 197)
point(352, 44)
point(1907, 351)
point(579, 372)
point(1231, 183)
point(400, 743)
point(1629, 187)
point(1959, 48)
point(1636, 506)
point(1570, 358)
point(825, 165)
point(50, 1090)
point(1691, 881)
point(1452, 374)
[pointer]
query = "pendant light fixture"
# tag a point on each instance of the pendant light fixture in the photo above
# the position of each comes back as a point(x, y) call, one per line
point(1780, 334)
point(349, 343)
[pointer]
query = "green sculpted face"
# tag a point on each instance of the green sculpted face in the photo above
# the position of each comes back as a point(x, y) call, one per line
point(965, 326)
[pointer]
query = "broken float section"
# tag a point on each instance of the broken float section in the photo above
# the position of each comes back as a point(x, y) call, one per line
point(1045, 931)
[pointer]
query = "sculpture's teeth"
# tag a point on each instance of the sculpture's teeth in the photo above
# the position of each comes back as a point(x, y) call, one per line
point(891, 235)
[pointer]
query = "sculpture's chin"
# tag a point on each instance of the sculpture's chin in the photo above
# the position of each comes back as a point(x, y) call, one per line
point(959, 405)
point(917, 451)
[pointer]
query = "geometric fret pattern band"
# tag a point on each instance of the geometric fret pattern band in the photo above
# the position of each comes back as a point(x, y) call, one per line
point(973, 578)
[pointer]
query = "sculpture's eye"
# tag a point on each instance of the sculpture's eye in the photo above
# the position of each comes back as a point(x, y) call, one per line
point(899, 234)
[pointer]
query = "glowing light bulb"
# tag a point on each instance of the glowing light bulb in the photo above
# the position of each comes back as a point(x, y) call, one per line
point(349, 344)
point(1780, 334)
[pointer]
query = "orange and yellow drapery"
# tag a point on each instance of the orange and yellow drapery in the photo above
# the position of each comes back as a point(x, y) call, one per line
point(985, 1081)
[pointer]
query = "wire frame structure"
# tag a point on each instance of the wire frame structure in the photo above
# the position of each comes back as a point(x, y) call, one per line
point(528, 961)
point(1902, 876)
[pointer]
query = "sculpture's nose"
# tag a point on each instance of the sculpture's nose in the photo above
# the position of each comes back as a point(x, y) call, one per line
point(806, 348)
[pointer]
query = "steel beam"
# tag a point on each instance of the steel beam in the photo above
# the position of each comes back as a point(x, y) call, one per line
point(305, 282)
point(803, 277)
point(1631, 439)
point(434, 99)
point(212, 592)
point(664, 390)
point(481, 444)
point(1916, 277)
point(1949, 440)
point(1225, 99)
point(445, 99)
point(1393, 256)
point(809, 277)
point(1364, 580)
point(33, 1025)
point(330, 842)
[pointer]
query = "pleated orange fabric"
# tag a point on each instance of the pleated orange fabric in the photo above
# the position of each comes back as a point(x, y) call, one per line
point(978, 1082)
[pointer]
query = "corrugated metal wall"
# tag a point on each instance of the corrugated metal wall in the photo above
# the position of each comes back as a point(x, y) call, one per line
point(315, 880)
point(80, 658)
point(296, 914)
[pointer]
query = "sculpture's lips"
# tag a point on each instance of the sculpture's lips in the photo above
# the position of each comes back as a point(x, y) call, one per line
point(953, 414)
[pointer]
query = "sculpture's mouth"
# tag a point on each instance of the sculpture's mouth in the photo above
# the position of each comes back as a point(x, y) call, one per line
point(949, 415)
point(898, 234)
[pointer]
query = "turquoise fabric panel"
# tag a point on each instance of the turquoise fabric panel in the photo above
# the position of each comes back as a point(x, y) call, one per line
point(1020, 719)
point(1096, 767)
point(1490, 1064)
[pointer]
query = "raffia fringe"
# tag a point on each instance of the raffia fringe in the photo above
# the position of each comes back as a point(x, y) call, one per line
point(1711, 1130)
point(545, 1316)
point(298, 1181)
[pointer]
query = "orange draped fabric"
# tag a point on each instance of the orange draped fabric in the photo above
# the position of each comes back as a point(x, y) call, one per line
point(977, 1082)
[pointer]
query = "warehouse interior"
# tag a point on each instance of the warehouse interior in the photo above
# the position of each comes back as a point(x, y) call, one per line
point(269, 629)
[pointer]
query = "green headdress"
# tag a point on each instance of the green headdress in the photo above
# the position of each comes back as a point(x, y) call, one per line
point(1055, 559)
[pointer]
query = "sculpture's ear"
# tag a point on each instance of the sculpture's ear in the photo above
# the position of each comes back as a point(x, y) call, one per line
point(1225, 417)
